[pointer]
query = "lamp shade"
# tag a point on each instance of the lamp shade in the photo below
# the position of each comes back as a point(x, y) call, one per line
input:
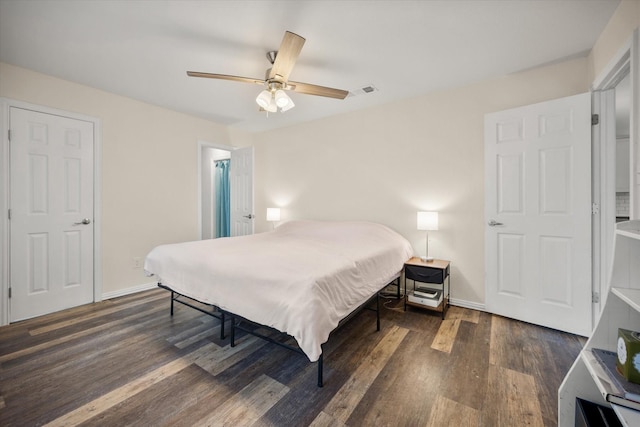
point(282, 99)
point(428, 221)
point(273, 214)
point(288, 107)
point(263, 99)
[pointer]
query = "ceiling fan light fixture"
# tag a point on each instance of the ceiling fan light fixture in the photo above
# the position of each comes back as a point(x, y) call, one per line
point(282, 99)
point(276, 80)
point(272, 107)
point(288, 107)
point(264, 99)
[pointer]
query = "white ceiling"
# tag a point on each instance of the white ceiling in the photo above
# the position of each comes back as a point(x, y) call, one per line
point(142, 49)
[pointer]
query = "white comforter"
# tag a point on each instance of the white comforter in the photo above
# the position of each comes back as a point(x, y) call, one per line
point(302, 278)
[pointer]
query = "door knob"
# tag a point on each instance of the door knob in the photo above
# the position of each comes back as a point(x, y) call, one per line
point(493, 223)
point(83, 222)
point(250, 216)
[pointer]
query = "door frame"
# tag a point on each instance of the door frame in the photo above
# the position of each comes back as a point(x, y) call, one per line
point(5, 106)
point(626, 61)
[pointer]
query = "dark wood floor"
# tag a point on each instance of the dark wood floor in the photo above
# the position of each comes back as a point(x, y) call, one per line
point(126, 361)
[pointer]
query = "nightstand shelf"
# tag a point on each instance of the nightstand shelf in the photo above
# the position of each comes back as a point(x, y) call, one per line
point(435, 274)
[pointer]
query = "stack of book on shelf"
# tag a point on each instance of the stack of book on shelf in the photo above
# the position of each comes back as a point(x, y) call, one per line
point(623, 392)
point(426, 296)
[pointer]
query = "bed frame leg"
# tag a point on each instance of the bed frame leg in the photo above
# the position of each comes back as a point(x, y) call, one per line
point(378, 311)
point(222, 325)
point(233, 332)
point(320, 383)
point(172, 298)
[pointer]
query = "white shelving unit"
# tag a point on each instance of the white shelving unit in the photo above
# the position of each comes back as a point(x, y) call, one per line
point(586, 378)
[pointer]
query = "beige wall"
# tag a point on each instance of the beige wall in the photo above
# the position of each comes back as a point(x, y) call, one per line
point(386, 163)
point(619, 29)
point(149, 167)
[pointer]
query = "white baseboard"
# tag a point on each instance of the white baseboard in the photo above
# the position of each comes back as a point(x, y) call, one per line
point(128, 291)
point(467, 304)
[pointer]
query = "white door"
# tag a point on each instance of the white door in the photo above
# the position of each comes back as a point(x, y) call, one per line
point(51, 202)
point(241, 186)
point(538, 213)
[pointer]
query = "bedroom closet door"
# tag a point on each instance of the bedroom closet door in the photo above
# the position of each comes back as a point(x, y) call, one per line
point(538, 213)
point(51, 213)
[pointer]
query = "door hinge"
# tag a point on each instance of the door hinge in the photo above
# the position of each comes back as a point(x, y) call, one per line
point(595, 119)
point(595, 297)
point(595, 209)
point(9, 134)
point(9, 294)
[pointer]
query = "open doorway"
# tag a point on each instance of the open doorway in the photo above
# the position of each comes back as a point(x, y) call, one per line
point(240, 180)
point(616, 105)
point(214, 191)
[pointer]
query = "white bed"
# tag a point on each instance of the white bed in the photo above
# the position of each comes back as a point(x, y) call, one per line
point(301, 279)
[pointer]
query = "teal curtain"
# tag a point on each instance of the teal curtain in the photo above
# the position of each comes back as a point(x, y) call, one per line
point(223, 211)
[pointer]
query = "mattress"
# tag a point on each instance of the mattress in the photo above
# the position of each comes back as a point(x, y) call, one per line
point(301, 279)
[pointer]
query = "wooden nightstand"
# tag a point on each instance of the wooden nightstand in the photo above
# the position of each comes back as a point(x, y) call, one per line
point(436, 274)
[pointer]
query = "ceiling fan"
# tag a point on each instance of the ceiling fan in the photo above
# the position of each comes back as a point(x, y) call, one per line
point(277, 78)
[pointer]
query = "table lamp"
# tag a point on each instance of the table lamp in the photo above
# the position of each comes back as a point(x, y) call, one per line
point(273, 215)
point(427, 221)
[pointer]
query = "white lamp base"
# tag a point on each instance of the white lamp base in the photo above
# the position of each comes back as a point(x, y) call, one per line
point(426, 258)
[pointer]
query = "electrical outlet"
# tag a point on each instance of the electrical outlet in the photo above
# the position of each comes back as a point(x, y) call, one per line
point(137, 262)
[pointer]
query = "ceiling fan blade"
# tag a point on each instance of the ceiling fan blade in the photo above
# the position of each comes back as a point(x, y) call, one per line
point(310, 89)
point(225, 77)
point(287, 55)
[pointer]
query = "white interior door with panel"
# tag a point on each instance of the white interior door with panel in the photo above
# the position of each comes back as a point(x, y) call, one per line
point(51, 205)
point(538, 213)
point(241, 180)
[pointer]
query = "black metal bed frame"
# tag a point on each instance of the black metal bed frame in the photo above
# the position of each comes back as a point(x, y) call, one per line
point(297, 349)
point(175, 298)
point(238, 325)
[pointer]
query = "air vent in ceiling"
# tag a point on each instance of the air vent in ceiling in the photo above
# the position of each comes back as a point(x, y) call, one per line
point(364, 90)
